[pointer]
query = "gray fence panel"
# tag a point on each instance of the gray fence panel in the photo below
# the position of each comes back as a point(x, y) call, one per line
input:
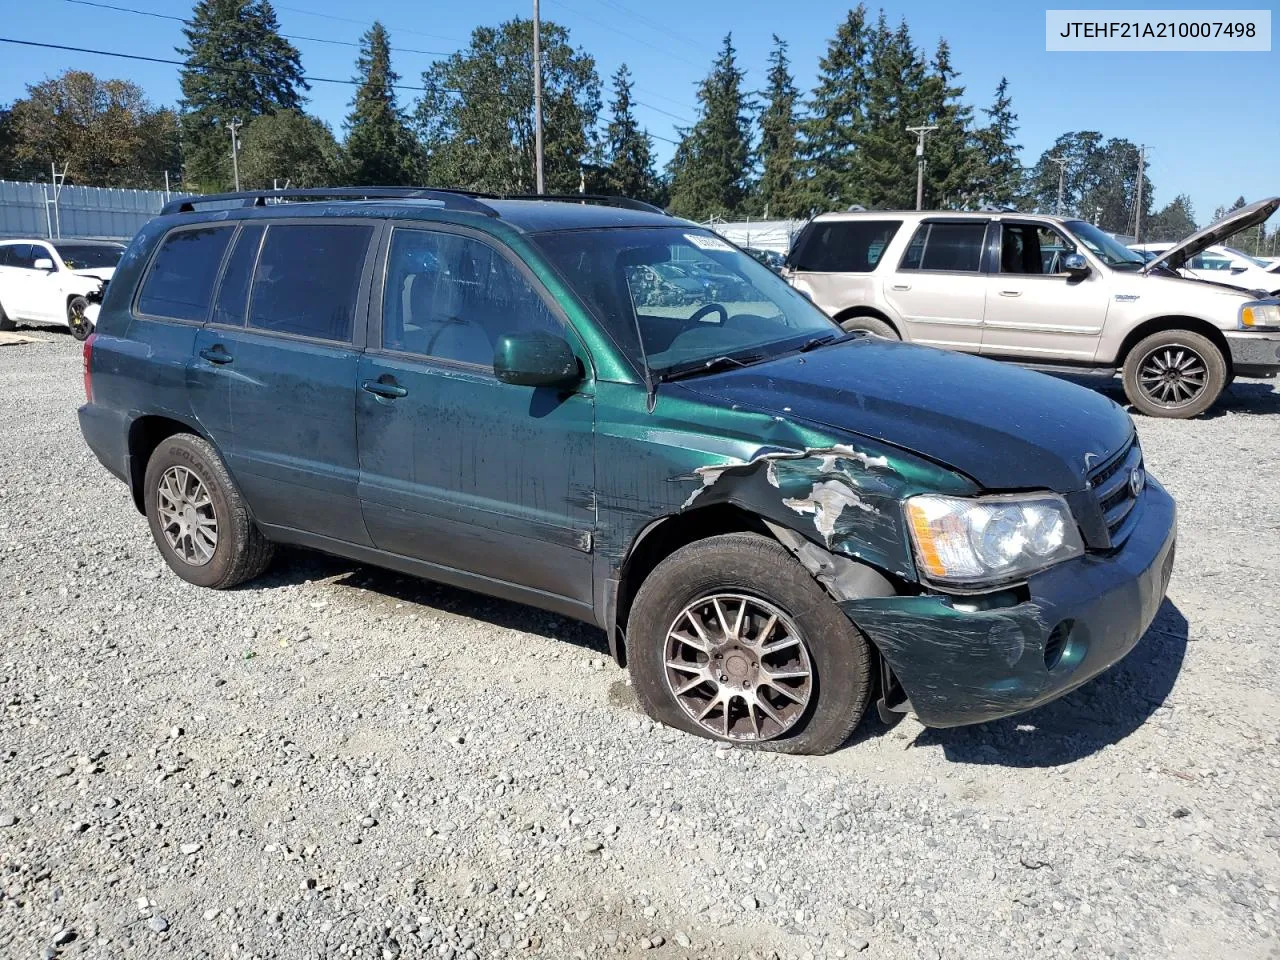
point(82, 211)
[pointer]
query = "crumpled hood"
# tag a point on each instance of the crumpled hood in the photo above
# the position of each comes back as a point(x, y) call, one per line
point(1007, 428)
point(98, 273)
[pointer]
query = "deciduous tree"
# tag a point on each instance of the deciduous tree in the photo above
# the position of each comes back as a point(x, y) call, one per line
point(288, 147)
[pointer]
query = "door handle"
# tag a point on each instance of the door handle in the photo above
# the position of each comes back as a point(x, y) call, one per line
point(379, 388)
point(1010, 293)
point(216, 354)
point(901, 286)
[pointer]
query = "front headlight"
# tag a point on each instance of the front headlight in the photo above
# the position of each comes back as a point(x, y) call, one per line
point(1260, 315)
point(992, 540)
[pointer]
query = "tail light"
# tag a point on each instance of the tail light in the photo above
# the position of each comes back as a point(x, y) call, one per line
point(88, 367)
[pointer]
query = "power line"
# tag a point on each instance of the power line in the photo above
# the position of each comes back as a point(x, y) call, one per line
point(330, 16)
point(183, 63)
point(665, 113)
point(287, 36)
point(623, 33)
point(654, 25)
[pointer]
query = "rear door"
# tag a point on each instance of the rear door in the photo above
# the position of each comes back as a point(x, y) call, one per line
point(1034, 309)
point(278, 362)
point(20, 290)
point(939, 288)
point(457, 468)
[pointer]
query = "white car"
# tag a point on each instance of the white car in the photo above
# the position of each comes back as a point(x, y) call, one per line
point(1220, 264)
point(55, 281)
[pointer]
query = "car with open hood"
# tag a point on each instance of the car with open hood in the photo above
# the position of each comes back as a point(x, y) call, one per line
point(774, 522)
point(55, 282)
point(1219, 264)
point(1052, 293)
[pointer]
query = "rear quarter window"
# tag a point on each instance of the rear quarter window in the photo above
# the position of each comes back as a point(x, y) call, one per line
point(843, 246)
point(179, 284)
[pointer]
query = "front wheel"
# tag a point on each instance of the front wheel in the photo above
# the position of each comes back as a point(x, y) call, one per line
point(77, 318)
point(731, 639)
point(1174, 374)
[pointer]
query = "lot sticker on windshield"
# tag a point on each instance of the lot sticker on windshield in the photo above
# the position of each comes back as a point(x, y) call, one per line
point(703, 242)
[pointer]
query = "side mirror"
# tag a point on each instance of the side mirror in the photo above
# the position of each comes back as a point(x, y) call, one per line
point(1075, 265)
point(1236, 270)
point(535, 359)
point(45, 264)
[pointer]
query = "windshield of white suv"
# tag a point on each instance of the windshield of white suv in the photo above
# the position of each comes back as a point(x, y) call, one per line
point(89, 256)
point(694, 298)
point(1105, 247)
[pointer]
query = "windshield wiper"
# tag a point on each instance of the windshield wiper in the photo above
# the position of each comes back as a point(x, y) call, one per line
point(714, 365)
point(825, 340)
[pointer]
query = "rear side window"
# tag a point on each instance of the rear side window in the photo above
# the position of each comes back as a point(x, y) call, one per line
point(843, 246)
point(20, 255)
point(180, 283)
point(233, 293)
point(953, 247)
point(308, 279)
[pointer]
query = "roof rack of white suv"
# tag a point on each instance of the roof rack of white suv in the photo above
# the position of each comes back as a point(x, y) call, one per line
point(465, 200)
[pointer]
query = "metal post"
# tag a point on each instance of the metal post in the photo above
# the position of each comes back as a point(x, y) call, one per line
point(1142, 175)
point(58, 180)
point(537, 98)
point(166, 186)
point(921, 133)
point(235, 125)
point(1062, 172)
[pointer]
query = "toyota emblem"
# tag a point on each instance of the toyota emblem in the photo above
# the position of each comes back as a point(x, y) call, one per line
point(1137, 481)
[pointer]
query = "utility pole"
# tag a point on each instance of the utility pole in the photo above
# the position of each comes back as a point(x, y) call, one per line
point(921, 133)
point(1142, 175)
point(233, 126)
point(1062, 172)
point(537, 98)
point(53, 221)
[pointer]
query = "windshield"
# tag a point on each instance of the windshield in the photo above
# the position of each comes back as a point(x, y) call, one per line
point(86, 256)
point(693, 296)
point(1106, 247)
point(1246, 257)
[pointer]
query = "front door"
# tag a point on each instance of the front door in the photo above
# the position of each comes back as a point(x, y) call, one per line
point(457, 468)
point(1034, 309)
point(275, 372)
point(939, 289)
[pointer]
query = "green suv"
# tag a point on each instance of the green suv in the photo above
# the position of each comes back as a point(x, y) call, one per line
point(594, 408)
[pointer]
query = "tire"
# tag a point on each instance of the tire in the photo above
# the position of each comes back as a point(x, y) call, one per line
point(77, 322)
point(1163, 368)
point(240, 553)
point(6, 322)
point(871, 326)
point(760, 572)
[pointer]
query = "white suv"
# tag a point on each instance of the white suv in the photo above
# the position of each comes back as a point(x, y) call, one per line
point(55, 281)
point(1049, 292)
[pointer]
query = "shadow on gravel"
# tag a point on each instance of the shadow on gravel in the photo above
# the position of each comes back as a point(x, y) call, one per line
point(294, 565)
point(1101, 713)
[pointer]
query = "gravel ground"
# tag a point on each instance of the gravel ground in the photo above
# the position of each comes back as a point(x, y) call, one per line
point(339, 761)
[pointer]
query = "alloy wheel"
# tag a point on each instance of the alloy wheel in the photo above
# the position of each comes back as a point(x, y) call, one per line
point(1172, 375)
point(739, 667)
point(187, 518)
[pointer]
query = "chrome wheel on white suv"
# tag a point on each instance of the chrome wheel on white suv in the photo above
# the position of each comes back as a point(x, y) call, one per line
point(1174, 373)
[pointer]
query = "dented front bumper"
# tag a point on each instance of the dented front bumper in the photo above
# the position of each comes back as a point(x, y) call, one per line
point(959, 664)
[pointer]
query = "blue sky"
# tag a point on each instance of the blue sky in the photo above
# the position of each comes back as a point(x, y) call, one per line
point(1211, 121)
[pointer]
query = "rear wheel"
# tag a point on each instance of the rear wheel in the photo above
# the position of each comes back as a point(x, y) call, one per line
point(1174, 374)
point(77, 321)
point(6, 322)
point(731, 639)
point(871, 326)
point(198, 518)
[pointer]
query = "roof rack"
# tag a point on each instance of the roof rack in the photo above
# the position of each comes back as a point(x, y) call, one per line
point(600, 199)
point(450, 199)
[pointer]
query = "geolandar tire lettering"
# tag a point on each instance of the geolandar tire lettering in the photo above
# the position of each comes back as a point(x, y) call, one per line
point(1175, 374)
point(731, 639)
point(197, 517)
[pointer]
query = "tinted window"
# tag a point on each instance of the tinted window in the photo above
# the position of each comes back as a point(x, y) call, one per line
point(6, 256)
point(843, 246)
point(180, 284)
point(946, 246)
point(308, 279)
point(20, 255)
point(233, 293)
point(451, 297)
point(88, 256)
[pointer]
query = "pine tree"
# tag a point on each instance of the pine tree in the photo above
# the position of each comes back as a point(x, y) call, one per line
point(998, 179)
point(836, 116)
point(380, 149)
point(778, 152)
point(884, 162)
point(629, 150)
point(710, 176)
point(1175, 221)
point(237, 67)
point(951, 157)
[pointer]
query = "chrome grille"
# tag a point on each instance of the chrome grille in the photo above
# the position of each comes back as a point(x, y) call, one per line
point(1110, 485)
